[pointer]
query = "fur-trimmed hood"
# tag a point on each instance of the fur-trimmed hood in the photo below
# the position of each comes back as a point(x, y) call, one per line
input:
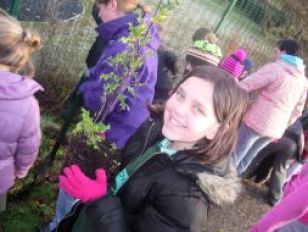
point(219, 182)
point(220, 189)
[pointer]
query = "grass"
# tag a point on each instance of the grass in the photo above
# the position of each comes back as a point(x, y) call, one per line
point(26, 213)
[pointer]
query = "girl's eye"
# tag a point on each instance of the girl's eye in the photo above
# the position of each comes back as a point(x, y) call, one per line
point(180, 93)
point(198, 110)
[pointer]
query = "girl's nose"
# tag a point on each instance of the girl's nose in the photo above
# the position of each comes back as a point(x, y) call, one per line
point(182, 109)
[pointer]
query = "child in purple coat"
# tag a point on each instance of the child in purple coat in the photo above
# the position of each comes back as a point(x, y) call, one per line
point(19, 110)
point(117, 15)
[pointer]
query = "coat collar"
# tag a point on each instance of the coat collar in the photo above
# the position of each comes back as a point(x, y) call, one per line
point(14, 86)
point(220, 189)
point(116, 28)
point(219, 182)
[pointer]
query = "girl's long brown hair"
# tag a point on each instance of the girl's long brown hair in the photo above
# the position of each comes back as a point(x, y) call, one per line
point(230, 104)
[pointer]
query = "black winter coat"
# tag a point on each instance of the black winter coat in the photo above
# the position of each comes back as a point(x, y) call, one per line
point(168, 194)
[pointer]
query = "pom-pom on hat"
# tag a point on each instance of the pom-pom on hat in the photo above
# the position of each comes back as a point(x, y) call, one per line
point(240, 54)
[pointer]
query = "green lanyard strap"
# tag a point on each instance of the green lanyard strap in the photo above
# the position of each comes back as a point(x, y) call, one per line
point(132, 167)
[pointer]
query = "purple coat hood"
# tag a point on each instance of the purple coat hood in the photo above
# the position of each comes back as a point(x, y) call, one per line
point(123, 123)
point(19, 127)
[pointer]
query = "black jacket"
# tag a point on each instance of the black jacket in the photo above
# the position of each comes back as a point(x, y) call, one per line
point(168, 194)
point(173, 193)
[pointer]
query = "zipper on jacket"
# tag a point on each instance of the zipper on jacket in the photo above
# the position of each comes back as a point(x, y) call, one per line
point(148, 134)
point(146, 140)
point(72, 212)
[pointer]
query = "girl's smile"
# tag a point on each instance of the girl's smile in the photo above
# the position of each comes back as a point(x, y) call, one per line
point(176, 122)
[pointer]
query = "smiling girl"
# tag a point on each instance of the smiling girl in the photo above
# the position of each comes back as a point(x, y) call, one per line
point(191, 169)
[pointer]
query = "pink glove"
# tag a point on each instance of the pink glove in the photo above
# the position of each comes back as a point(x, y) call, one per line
point(76, 184)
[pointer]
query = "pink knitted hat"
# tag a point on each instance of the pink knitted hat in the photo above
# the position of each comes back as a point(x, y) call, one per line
point(240, 54)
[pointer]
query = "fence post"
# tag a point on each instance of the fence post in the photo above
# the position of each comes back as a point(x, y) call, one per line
point(225, 15)
point(15, 7)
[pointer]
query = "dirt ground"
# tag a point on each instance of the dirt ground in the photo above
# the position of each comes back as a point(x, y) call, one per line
point(246, 211)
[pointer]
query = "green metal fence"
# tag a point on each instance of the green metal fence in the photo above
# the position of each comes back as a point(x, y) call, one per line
point(244, 26)
point(15, 7)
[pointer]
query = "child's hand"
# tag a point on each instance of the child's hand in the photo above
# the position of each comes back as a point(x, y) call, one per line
point(21, 174)
point(76, 184)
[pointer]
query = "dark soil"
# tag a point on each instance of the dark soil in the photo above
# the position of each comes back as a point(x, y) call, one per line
point(45, 10)
point(90, 159)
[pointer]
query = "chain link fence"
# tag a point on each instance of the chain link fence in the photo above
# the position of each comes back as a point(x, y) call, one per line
point(6, 5)
point(67, 29)
point(42, 10)
point(244, 27)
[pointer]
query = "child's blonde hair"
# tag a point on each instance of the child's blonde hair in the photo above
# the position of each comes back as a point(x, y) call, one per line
point(17, 44)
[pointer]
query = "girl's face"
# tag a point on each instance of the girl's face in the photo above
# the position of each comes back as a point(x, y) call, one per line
point(189, 114)
point(106, 11)
point(277, 53)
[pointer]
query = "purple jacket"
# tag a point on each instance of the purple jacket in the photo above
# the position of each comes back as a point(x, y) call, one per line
point(123, 123)
point(19, 127)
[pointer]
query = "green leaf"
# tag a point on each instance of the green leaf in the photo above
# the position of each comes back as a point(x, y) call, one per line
point(131, 90)
point(90, 129)
point(122, 101)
